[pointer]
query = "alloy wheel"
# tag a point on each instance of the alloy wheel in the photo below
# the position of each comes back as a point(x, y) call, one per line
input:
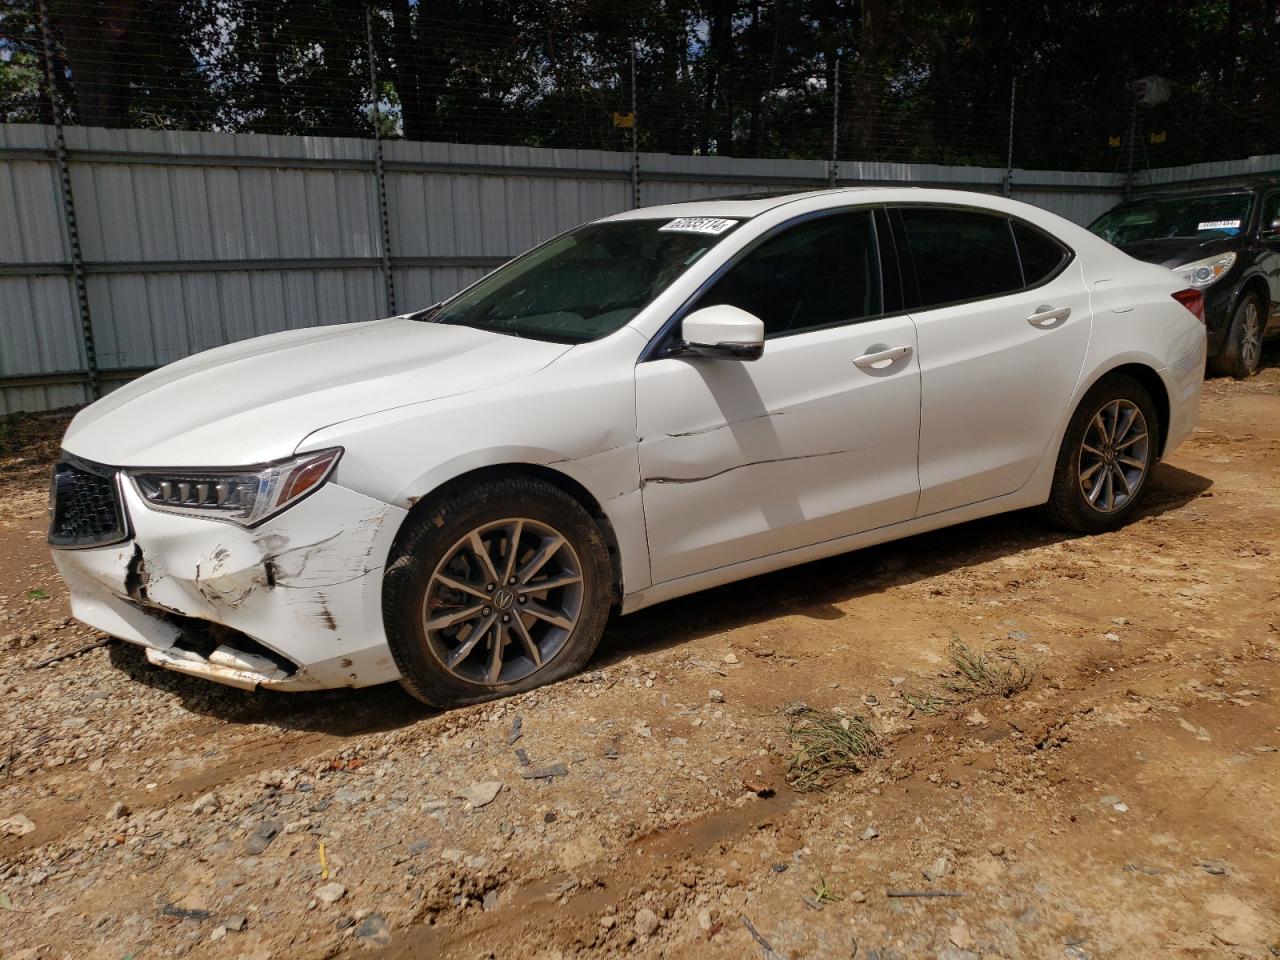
point(1114, 456)
point(503, 601)
point(1250, 335)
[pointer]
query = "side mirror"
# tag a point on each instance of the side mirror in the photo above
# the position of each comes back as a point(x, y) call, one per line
point(1271, 233)
point(722, 332)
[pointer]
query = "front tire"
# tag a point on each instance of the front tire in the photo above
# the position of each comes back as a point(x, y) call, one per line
point(495, 589)
point(1242, 349)
point(1106, 457)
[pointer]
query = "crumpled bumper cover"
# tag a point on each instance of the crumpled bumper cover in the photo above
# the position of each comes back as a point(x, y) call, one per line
point(306, 585)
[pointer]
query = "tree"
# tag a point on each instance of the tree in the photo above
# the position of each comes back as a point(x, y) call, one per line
point(129, 62)
point(22, 84)
point(919, 82)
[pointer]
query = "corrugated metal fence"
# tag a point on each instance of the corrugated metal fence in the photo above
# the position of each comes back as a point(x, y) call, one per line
point(191, 240)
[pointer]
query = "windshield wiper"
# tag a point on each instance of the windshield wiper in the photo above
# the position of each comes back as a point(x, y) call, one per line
point(473, 325)
point(425, 313)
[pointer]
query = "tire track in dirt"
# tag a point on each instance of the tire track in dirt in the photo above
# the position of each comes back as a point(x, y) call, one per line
point(253, 755)
point(243, 756)
point(569, 904)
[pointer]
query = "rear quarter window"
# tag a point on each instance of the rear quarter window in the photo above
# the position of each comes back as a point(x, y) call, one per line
point(960, 254)
point(1041, 255)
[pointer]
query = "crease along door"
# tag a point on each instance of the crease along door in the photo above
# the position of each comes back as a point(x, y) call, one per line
point(742, 460)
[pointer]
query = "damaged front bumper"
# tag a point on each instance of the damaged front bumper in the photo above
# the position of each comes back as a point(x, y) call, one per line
point(295, 604)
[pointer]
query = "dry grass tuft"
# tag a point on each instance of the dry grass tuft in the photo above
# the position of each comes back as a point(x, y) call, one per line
point(924, 702)
point(974, 674)
point(827, 747)
point(998, 673)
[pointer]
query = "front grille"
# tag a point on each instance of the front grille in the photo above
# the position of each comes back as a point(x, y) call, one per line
point(84, 505)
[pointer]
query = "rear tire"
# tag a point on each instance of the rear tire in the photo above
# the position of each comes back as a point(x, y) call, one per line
point(470, 617)
point(1106, 457)
point(1242, 348)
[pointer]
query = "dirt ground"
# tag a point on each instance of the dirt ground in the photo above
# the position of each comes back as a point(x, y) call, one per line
point(1126, 804)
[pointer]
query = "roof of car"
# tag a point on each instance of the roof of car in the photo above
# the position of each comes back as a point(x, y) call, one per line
point(781, 207)
point(746, 205)
point(1204, 188)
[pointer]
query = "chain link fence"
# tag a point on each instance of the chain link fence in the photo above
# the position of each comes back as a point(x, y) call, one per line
point(971, 85)
point(401, 149)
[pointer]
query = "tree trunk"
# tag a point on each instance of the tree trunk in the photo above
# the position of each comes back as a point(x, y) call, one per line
point(868, 81)
point(417, 69)
point(271, 90)
point(97, 38)
point(720, 87)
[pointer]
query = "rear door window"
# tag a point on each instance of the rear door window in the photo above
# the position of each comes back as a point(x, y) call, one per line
point(960, 255)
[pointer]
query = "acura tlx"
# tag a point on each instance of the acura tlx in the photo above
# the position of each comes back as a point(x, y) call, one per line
point(648, 405)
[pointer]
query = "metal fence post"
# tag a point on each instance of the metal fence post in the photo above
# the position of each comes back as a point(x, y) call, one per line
point(379, 172)
point(834, 169)
point(1008, 167)
point(635, 135)
point(69, 209)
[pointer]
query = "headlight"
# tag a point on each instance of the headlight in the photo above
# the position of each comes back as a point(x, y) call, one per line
point(243, 495)
point(1201, 273)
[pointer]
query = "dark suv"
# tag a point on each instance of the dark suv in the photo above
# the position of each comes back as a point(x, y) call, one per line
point(1224, 241)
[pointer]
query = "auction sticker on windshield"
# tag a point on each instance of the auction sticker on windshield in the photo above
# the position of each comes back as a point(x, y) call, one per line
point(1218, 225)
point(712, 225)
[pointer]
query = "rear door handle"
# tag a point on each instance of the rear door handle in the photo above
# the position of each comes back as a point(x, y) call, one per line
point(870, 360)
point(1047, 316)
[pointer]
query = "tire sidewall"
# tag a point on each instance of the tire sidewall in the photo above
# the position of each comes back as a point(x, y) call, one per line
point(436, 529)
point(1234, 362)
point(1068, 500)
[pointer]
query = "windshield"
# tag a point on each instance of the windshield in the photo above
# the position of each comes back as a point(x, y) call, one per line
point(586, 283)
point(1207, 217)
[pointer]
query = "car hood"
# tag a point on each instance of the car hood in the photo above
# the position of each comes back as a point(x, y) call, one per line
point(254, 401)
point(1178, 250)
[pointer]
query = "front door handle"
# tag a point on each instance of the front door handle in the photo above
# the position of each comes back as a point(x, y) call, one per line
point(1047, 316)
point(886, 357)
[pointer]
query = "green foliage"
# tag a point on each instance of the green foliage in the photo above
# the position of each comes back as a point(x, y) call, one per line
point(917, 82)
point(822, 892)
point(21, 72)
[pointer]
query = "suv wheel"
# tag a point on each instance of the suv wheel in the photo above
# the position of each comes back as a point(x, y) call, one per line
point(1242, 350)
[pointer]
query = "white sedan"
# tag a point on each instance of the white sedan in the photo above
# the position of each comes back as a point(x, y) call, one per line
point(648, 405)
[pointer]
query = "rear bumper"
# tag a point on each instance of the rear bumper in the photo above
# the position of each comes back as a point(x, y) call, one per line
point(1183, 382)
point(295, 604)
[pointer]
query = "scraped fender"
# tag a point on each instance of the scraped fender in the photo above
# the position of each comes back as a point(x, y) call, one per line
point(610, 477)
point(442, 473)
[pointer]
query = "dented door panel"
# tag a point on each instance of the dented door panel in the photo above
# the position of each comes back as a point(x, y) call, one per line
point(743, 459)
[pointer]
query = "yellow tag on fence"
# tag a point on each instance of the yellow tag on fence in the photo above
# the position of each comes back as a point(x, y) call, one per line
point(624, 120)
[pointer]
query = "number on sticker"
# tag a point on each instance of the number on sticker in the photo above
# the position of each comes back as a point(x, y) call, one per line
point(712, 225)
point(1219, 225)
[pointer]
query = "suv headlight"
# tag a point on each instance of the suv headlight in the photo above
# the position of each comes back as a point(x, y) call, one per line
point(1202, 273)
point(243, 495)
